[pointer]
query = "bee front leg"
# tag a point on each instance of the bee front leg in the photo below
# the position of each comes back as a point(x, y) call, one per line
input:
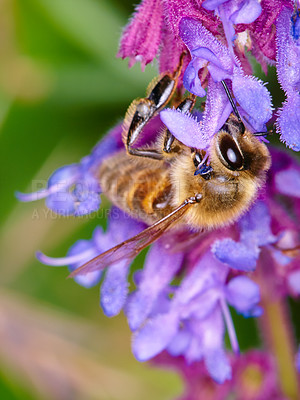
point(185, 106)
point(143, 110)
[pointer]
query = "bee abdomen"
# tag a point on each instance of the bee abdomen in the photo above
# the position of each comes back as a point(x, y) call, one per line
point(140, 187)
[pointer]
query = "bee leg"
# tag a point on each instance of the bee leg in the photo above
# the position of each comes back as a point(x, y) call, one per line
point(149, 153)
point(147, 107)
point(194, 199)
point(185, 106)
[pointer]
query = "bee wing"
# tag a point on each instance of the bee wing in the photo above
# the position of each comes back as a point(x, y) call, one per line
point(131, 247)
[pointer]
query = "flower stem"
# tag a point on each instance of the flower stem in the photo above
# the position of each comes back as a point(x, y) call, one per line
point(278, 334)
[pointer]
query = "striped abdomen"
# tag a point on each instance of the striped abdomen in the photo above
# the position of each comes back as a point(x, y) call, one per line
point(139, 186)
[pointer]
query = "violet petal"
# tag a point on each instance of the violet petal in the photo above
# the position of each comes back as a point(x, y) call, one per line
point(114, 288)
point(218, 365)
point(288, 54)
point(159, 270)
point(287, 182)
point(185, 128)
point(195, 36)
point(242, 293)
point(61, 202)
point(249, 11)
point(255, 226)
point(155, 336)
point(212, 4)
point(237, 255)
point(254, 98)
point(288, 122)
point(217, 109)
point(191, 79)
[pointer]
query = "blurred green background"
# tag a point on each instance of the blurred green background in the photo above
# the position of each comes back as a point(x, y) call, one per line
point(61, 89)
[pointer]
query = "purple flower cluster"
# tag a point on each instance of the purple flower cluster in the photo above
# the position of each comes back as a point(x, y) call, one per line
point(181, 307)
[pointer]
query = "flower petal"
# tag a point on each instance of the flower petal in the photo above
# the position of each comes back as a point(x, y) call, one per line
point(217, 109)
point(180, 342)
point(195, 36)
point(218, 365)
point(159, 269)
point(141, 38)
point(248, 12)
point(237, 255)
point(61, 202)
point(255, 226)
point(155, 336)
point(212, 4)
point(114, 288)
point(191, 79)
point(254, 98)
point(185, 128)
point(288, 122)
point(242, 293)
point(288, 54)
point(59, 181)
point(287, 182)
point(294, 281)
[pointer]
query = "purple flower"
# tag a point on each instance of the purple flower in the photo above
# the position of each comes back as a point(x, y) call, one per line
point(180, 305)
point(197, 130)
point(255, 232)
point(193, 326)
point(74, 189)
point(114, 288)
point(234, 12)
point(262, 33)
point(207, 51)
point(288, 71)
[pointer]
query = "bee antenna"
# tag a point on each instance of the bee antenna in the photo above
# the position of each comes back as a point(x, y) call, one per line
point(235, 110)
point(266, 133)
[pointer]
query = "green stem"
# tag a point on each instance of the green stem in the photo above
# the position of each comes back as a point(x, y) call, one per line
point(278, 335)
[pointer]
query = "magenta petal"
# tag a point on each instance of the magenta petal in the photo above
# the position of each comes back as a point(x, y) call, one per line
point(289, 122)
point(254, 98)
point(185, 128)
point(141, 38)
point(155, 336)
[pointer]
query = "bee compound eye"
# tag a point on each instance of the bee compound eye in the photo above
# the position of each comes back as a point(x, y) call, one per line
point(231, 153)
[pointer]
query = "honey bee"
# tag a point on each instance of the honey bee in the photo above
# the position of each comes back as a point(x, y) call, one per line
point(172, 183)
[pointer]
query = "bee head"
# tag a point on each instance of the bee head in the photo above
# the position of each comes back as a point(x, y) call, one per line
point(235, 150)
